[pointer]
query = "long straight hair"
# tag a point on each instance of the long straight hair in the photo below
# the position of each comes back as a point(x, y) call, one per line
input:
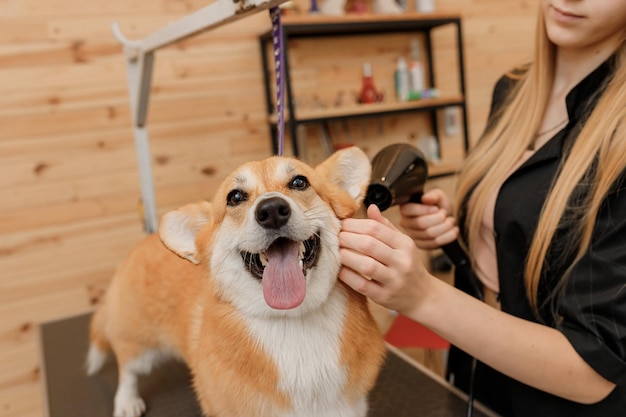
point(598, 155)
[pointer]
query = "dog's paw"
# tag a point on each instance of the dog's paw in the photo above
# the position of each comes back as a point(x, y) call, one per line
point(129, 407)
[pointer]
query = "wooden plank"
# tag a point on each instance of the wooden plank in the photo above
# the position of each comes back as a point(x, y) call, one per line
point(175, 192)
point(55, 53)
point(480, 8)
point(21, 29)
point(103, 61)
point(80, 277)
point(64, 122)
point(18, 319)
point(67, 212)
point(53, 99)
point(76, 8)
point(19, 366)
point(102, 247)
point(95, 195)
point(23, 400)
point(219, 108)
point(98, 26)
point(185, 85)
point(35, 195)
point(47, 167)
point(110, 71)
point(27, 149)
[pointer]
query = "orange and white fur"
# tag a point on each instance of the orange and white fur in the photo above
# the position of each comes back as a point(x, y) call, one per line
point(252, 302)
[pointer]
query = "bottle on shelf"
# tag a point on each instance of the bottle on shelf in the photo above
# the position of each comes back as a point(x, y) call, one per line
point(368, 94)
point(402, 80)
point(429, 145)
point(425, 6)
point(416, 71)
point(451, 121)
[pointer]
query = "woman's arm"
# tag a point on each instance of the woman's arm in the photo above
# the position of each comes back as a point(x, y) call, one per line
point(534, 354)
point(537, 355)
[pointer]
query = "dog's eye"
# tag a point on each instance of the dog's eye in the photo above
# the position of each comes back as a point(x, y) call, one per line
point(236, 197)
point(299, 182)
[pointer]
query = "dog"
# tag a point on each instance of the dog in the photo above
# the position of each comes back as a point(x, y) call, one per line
point(244, 290)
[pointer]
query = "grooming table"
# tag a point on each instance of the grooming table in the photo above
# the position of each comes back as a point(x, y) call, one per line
point(404, 388)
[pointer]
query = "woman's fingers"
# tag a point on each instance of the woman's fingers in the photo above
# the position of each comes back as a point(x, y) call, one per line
point(374, 213)
point(430, 232)
point(366, 234)
point(373, 247)
point(371, 255)
point(437, 232)
point(436, 197)
point(417, 209)
point(425, 221)
point(441, 239)
point(356, 281)
point(429, 223)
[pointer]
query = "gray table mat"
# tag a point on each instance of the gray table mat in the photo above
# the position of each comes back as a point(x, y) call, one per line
point(402, 390)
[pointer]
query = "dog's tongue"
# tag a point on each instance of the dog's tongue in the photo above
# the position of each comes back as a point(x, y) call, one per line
point(284, 286)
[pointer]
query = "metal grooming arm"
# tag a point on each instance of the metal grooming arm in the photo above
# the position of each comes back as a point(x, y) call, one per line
point(139, 56)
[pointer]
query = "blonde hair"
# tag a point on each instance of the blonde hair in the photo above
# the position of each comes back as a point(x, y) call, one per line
point(598, 156)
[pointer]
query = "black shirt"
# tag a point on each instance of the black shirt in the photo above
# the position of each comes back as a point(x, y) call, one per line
point(593, 304)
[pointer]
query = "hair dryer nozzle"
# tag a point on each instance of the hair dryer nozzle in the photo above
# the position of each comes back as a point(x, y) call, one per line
point(380, 195)
point(399, 173)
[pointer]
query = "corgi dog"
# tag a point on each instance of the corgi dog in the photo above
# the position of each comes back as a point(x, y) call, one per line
point(244, 290)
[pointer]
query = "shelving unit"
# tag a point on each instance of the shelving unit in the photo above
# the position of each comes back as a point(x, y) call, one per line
point(319, 26)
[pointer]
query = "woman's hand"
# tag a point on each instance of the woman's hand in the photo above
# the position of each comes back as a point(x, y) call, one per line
point(429, 224)
point(382, 262)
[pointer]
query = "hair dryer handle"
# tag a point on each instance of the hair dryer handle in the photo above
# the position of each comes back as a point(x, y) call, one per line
point(416, 198)
point(456, 254)
point(460, 260)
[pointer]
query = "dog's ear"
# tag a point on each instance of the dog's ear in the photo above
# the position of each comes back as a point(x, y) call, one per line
point(178, 229)
point(348, 169)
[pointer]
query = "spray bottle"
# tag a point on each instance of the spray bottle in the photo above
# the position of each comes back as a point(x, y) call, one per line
point(416, 71)
point(402, 80)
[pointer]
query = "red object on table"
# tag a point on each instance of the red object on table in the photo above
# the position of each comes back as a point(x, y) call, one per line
point(405, 333)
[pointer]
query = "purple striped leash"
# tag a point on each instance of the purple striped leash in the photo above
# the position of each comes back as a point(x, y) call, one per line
point(279, 67)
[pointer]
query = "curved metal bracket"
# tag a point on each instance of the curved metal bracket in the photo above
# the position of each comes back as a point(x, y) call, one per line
point(131, 48)
point(115, 27)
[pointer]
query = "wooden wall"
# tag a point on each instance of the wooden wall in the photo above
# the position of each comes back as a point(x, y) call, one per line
point(69, 187)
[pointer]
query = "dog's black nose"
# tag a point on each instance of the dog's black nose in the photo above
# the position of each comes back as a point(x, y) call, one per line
point(273, 213)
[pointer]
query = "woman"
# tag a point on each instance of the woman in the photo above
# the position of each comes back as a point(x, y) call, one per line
point(542, 214)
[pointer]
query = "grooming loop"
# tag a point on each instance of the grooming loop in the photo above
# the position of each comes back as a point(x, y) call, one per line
point(279, 66)
point(139, 56)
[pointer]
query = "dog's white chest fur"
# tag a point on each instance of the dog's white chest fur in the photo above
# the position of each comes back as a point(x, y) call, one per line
point(307, 354)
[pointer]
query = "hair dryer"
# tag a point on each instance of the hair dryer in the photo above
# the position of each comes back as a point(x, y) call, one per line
point(399, 173)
